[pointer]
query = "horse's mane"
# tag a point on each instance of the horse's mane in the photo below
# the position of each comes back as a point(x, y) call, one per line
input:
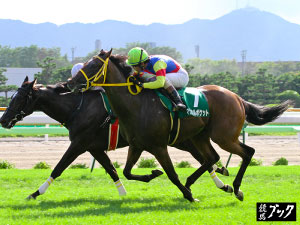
point(37, 86)
point(120, 62)
point(59, 87)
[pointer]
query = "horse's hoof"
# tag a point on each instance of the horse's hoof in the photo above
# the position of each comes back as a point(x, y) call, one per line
point(225, 171)
point(188, 195)
point(157, 173)
point(30, 197)
point(240, 196)
point(191, 199)
point(227, 188)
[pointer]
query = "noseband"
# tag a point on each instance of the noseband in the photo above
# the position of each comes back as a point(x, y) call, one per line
point(20, 115)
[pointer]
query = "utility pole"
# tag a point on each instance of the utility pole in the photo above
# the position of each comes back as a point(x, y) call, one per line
point(152, 44)
point(197, 50)
point(243, 54)
point(97, 45)
point(73, 53)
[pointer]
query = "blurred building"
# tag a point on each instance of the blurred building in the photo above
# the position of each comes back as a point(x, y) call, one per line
point(98, 45)
point(152, 44)
point(16, 76)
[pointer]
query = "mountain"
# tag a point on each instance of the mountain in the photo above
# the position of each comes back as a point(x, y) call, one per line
point(265, 36)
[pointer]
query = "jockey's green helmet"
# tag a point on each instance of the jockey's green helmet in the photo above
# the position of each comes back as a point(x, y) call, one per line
point(136, 56)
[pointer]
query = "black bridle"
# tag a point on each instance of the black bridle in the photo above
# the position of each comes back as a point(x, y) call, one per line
point(20, 114)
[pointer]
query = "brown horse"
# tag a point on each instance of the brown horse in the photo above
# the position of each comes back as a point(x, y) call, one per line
point(72, 110)
point(146, 123)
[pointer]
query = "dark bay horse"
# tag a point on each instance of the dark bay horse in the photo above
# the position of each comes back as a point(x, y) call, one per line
point(81, 114)
point(84, 115)
point(146, 123)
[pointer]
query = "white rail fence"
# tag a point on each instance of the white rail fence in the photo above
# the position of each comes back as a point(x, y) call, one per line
point(292, 117)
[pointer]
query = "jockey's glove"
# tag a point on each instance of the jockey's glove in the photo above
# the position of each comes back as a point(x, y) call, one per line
point(138, 83)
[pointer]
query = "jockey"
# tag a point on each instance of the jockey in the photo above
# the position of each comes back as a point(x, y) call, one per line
point(76, 68)
point(159, 71)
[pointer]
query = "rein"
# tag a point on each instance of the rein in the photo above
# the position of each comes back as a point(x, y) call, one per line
point(90, 82)
point(74, 113)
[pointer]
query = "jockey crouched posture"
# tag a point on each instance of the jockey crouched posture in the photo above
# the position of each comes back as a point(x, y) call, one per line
point(158, 71)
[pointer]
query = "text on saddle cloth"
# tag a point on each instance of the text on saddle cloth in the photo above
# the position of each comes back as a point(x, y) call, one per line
point(193, 98)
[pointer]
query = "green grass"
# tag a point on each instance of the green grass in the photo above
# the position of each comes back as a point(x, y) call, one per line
point(31, 135)
point(81, 197)
point(274, 134)
point(6, 165)
point(42, 165)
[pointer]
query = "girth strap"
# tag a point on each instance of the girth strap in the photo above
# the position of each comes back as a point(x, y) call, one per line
point(175, 127)
point(74, 113)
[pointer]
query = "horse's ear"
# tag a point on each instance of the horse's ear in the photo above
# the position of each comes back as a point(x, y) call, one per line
point(33, 83)
point(25, 80)
point(107, 54)
point(110, 51)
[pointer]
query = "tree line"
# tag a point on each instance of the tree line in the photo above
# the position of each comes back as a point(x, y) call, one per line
point(260, 88)
point(208, 66)
point(258, 82)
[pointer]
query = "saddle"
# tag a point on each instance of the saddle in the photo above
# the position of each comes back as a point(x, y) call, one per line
point(193, 98)
point(195, 101)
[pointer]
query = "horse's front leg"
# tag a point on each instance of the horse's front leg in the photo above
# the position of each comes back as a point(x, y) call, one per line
point(162, 156)
point(210, 157)
point(105, 161)
point(70, 155)
point(132, 157)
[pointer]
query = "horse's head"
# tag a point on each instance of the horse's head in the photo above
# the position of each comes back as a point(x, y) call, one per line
point(20, 105)
point(92, 72)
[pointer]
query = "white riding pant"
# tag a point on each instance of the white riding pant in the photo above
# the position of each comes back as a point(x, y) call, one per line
point(179, 79)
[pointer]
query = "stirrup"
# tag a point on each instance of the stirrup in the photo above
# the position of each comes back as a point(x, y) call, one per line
point(180, 107)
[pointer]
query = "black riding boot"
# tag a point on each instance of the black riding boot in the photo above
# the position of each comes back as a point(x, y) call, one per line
point(176, 98)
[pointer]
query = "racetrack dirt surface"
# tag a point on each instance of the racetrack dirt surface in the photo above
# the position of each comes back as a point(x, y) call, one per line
point(24, 153)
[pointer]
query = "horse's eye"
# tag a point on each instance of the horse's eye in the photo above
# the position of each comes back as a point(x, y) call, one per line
point(93, 63)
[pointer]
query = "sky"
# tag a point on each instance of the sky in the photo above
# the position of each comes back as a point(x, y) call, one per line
point(141, 12)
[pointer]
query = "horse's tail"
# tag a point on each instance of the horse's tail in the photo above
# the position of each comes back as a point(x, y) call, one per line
point(260, 115)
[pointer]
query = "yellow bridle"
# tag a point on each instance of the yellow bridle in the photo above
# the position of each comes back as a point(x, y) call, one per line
point(102, 72)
